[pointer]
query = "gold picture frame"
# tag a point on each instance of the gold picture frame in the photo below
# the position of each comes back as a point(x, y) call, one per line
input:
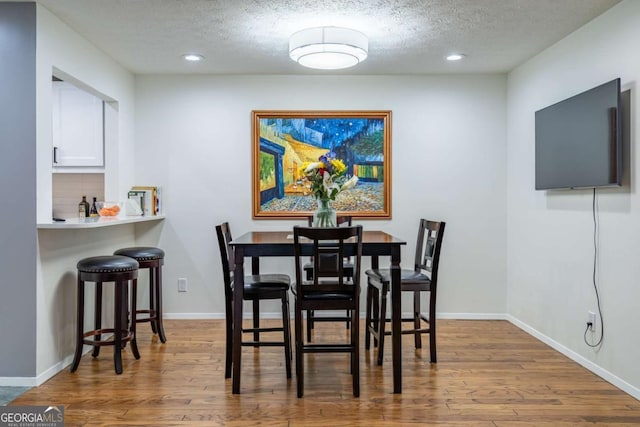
point(283, 140)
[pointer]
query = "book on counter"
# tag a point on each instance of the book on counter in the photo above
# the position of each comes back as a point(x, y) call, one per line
point(149, 198)
point(138, 197)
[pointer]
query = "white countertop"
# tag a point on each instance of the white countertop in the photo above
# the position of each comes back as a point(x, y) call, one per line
point(104, 221)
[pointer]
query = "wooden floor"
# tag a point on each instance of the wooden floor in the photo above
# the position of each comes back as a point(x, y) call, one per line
point(489, 373)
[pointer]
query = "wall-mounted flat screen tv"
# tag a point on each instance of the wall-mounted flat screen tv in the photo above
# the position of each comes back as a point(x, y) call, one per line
point(579, 140)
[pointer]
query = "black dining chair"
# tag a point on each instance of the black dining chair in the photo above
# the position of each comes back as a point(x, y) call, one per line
point(341, 221)
point(328, 290)
point(423, 278)
point(256, 288)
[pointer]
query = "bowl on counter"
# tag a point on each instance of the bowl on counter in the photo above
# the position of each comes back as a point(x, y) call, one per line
point(108, 209)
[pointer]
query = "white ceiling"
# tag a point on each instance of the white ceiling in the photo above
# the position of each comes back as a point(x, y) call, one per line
point(251, 36)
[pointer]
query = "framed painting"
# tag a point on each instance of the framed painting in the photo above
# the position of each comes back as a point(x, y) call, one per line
point(284, 141)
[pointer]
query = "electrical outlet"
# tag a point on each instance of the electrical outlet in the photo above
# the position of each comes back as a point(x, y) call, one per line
point(182, 285)
point(591, 319)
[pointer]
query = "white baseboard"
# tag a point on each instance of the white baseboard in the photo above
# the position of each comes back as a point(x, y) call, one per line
point(49, 373)
point(581, 360)
point(195, 316)
point(471, 316)
point(40, 379)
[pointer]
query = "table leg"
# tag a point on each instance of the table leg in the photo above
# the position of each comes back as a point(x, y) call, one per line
point(238, 289)
point(396, 320)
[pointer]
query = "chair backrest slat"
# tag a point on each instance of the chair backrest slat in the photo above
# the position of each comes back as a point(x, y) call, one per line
point(328, 251)
point(428, 246)
point(326, 262)
point(341, 221)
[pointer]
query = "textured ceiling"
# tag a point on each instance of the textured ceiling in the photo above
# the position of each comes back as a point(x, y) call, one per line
point(251, 36)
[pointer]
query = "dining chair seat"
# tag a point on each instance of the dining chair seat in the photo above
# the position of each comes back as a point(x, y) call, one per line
point(407, 277)
point(320, 295)
point(257, 286)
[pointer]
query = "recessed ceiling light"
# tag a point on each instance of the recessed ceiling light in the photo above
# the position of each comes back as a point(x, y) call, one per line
point(192, 57)
point(455, 56)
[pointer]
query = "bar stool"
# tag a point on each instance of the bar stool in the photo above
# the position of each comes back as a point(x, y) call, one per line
point(99, 269)
point(153, 259)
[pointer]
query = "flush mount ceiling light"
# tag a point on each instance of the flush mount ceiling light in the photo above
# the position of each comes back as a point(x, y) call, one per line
point(328, 48)
point(193, 57)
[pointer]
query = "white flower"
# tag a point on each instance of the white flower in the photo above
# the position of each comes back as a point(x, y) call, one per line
point(312, 167)
point(350, 183)
point(329, 185)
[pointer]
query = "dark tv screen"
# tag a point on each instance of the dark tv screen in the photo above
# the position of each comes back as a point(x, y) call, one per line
point(578, 140)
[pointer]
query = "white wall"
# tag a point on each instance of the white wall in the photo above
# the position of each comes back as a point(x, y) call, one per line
point(550, 234)
point(193, 137)
point(60, 47)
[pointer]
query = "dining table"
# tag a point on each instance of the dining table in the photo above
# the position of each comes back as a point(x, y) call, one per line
point(258, 244)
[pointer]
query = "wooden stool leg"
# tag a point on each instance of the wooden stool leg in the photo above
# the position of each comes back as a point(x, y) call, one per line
point(98, 318)
point(158, 306)
point(124, 312)
point(79, 326)
point(152, 301)
point(117, 333)
point(132, 326)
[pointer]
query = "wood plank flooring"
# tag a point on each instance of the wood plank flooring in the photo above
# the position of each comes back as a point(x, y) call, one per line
point(489, 374)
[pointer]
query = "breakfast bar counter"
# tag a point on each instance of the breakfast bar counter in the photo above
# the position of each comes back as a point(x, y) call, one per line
point(75, 223)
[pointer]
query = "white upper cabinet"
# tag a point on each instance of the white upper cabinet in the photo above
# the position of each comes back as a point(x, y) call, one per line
point(78, 127)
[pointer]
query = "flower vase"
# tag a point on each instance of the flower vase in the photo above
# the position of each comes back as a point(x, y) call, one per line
point(324, 215)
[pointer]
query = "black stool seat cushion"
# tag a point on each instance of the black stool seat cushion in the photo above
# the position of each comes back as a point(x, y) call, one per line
point(141, 253)
point(107, 264)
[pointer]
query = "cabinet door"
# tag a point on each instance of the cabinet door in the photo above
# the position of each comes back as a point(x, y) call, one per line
point(78, 129)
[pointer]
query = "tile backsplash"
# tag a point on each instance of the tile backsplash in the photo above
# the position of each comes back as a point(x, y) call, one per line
point(68, 189)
